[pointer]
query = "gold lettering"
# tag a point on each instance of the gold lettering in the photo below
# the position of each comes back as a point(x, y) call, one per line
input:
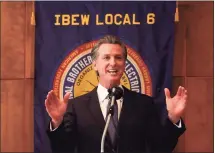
point(134, 20)
point(74, 19)
point(85, 19)
point(97, 20)
point(57, 18)
point(109, 19)
point(126, 19)
point(151, 18)
point(115, 19)
point(65, 19)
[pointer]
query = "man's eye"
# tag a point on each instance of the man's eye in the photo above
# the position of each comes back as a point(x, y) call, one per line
point(106, 57)
point(119, 57)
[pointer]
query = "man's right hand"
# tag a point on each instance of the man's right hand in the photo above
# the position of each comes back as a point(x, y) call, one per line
point(56, 108)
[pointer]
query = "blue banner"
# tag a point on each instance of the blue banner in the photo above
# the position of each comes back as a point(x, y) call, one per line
point(66, 32)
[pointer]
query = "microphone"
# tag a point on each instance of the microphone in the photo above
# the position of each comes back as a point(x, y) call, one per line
point(115, 93)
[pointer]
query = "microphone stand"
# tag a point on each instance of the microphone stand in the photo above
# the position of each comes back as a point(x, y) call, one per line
point(110, 113)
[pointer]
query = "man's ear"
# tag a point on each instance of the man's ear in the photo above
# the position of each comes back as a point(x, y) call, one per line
point(94, 65)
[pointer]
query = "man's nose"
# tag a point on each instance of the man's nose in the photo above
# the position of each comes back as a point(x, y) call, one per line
point(112, 61)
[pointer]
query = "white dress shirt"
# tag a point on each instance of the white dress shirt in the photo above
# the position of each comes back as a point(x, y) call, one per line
point(102, 93)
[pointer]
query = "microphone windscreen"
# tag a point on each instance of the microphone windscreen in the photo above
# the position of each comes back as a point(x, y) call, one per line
point(117, 92)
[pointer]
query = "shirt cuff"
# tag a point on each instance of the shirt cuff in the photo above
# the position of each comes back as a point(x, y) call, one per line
point(178, 124)
point(51, 128)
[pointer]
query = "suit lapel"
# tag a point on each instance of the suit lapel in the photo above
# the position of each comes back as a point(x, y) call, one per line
point(95, 109)
point(126, 108)
point(97, 115)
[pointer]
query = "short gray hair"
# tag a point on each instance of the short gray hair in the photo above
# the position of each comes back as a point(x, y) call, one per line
point(108, 39)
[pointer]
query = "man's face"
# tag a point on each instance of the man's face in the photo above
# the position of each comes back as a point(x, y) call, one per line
point(110, 64)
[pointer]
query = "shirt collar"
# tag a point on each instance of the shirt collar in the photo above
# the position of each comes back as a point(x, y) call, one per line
point(103, 92)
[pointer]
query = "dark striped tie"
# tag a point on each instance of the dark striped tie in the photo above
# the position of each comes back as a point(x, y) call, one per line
point(112, 128)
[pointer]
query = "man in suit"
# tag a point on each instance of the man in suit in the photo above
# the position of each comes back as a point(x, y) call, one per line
point(78, 124)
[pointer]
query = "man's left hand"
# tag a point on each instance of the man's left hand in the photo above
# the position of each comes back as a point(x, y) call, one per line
point(177, 104)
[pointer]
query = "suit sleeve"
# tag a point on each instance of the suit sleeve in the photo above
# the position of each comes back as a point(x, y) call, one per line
point(161, 136)
point(63, 139)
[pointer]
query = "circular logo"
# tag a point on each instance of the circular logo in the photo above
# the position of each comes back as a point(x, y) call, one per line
point(77, 76)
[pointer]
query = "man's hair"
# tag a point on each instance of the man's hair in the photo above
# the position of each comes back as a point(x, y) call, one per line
point(108, 39)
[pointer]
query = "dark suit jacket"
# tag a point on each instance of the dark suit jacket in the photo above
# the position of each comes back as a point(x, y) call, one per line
point(139, 128)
